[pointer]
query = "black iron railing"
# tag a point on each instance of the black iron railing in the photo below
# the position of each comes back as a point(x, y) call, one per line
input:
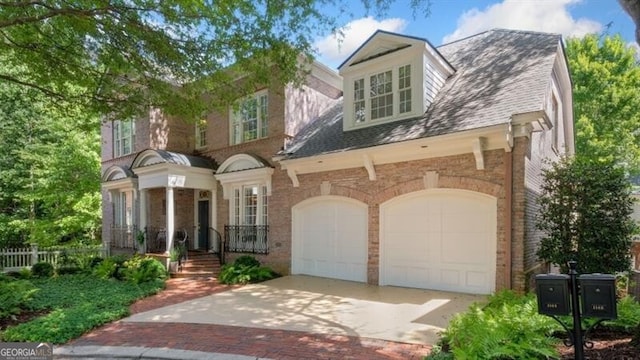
point(246, 239)
point(217, 244)
point(123, 237)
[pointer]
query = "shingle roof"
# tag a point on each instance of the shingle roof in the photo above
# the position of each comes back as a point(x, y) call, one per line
point(499, 73)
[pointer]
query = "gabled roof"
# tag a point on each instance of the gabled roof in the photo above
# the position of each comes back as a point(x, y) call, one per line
point(382, 43)
point(499, 73)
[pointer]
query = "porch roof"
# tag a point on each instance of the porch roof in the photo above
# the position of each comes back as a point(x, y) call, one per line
point(153, 157)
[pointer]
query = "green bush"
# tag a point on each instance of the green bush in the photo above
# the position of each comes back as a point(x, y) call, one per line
point(14, 296)
point(246, 269)
point(247, 260)
point(111, 267)
point(42, 269)
point(628, 315)
point(508, 327)
point(144, 269)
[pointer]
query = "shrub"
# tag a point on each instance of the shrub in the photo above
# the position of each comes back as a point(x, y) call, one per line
point(246, 269)
point(508, 327)
point(14, 296)
point(247, 260)
point(111, 267)
point(42, 269)
point(144, 269)
point(628, 315)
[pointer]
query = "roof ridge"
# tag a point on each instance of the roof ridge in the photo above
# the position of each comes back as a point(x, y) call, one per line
point(500, 30)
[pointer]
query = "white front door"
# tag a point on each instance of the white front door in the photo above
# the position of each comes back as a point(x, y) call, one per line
point(329, 238)
point(439, 239)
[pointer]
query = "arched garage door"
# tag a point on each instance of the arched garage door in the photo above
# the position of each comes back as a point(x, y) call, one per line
point(329, 238)
point(439, 239)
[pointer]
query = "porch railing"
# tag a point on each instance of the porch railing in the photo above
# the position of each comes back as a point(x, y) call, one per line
point(246, 239)
point(217, 244)
point(123, 237)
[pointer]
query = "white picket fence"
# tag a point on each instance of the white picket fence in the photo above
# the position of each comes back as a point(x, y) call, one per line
point(16, 259)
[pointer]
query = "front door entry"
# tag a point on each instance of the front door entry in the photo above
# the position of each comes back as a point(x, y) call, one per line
point(203, 225)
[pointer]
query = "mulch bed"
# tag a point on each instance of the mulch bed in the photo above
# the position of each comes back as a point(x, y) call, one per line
point(23, 317)
point(607, 345)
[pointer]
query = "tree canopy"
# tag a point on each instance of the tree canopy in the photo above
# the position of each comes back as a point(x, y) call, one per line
point(129, 54)
point(606, 79)
point(585, 210)
point(49, 170)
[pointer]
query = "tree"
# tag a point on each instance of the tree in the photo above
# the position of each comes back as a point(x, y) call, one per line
point(585, 209)
point(606, 79)
point(129, 54)
point(49, 170)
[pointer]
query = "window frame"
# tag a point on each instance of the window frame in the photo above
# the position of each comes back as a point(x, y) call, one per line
point(363, 81)
point(120, 139)
point(201, 133)
point(238, 211)
point(237, 130)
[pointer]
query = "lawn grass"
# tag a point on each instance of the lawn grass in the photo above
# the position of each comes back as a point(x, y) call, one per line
point(77, 304)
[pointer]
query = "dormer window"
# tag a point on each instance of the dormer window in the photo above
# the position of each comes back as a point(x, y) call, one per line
point(385, 97)
point(391, 77)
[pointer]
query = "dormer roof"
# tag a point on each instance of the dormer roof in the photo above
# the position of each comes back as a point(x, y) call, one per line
point(500, 74)
point(384, 43)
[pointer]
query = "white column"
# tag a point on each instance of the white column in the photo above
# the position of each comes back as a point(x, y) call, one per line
point(142, 220)
point(170, 219)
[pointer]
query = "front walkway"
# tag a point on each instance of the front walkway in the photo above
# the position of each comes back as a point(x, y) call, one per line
point(152, 325)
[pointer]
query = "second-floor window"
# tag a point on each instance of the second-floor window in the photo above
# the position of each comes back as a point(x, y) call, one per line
point(250, 121)
point(201, 133)
point(382, 95)
point(124, 137)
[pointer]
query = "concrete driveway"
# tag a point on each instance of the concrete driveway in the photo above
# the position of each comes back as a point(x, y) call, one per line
point(324, 306)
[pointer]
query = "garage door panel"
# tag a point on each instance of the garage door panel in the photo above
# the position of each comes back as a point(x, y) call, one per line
point(330, 238)
point(464, 249)
point(448, 245)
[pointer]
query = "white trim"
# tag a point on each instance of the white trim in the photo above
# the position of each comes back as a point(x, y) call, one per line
point(239, 162)
point(234, 115)
point(163, 175)
point(419, 149)
point(478, 147)
point(261, 176)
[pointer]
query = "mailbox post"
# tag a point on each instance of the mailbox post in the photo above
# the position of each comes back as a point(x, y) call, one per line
point(561, 295)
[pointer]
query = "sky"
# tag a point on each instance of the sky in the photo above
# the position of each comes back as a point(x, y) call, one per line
point(455, 19)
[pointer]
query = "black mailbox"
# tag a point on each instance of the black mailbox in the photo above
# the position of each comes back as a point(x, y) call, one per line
point(553, 294)
point(598, 293)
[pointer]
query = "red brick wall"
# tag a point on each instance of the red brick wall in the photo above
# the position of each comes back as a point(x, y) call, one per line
point(458, 172)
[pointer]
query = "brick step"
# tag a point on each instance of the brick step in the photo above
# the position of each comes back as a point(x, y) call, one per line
point(199, 264)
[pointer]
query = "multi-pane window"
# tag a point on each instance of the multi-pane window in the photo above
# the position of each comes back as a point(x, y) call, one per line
point(381, 95)
point(124, 137)
point(201, 133)
point(404, 88)
point(250, 121)
point(250, 205)
point(358, 101)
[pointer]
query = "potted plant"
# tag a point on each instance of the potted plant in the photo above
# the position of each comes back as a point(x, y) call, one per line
point(140, 235)
point(174, 257)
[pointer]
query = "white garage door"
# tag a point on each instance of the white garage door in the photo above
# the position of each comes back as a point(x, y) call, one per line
point(439, 239)
point(330, 238)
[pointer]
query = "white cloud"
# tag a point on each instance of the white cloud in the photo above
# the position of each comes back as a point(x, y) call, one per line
point(546, 16)
point(334, 48)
